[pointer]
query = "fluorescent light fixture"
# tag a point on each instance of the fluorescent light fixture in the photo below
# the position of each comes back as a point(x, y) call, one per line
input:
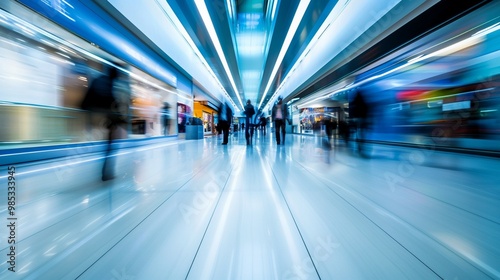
point(273, 11)
point(252, 87)
point(173, 18)
point(47, 42)
point(251, 74)
point(297, 18)
point(229, 4)
point(332, 17)
point(64, 55)
point(205, 15)
point(473, 40)
point(455, 47)
point(441, 52)
point(315, 99)
point(413, 60)
point(250, 44)
point(488, 111)
point(250, 50)
point(487, 30)
point(66, 50)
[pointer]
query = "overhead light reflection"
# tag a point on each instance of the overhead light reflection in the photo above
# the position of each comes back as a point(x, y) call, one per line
point(273, 11)
point(463, 44)
point(229, 4)
point(180, 28)
point(297, 18)
point(205, 15)
point(487, 30)
point(332, 17)
point(316, 99)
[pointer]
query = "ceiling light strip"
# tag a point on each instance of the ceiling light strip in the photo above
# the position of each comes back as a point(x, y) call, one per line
point(273, 11)
point(202, 8)
point(332, 17)
point(297, 18)
point(229, 4)
point(180, 28)
point(468, 42)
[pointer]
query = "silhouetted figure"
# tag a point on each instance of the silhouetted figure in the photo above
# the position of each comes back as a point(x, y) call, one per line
point(279, 116)
point(330, 125)
point(249, 113)
point(100, 98)
point(263, 123)
point(359, 112)
point(225, 117)
point(344, 130)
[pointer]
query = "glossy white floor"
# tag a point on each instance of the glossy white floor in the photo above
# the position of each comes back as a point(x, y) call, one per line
point(199, 210)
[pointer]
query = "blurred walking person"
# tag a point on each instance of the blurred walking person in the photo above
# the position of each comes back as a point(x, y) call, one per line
point(279, 116)
point(263, 123)
point(359, 113)
point(249, 113)
point(102, 98)
point(225, 117)
point(330, 125)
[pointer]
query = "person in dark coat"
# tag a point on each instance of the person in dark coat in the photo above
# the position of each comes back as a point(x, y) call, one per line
point(225, 118)
point(254, 124)
point(100, 98)
point(359, 113)
point(263, 123)
point(344, 130)
point(279, 116)
point(249, 113)
point(330, 125)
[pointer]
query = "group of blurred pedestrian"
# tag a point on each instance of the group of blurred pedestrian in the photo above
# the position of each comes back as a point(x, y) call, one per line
point(352, 127)
point(103, 97)
point(225, 118)
point(255, 120)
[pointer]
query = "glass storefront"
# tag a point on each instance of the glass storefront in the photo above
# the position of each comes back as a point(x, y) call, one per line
point(312, 119)
point(208, 123)
point(47, 80)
